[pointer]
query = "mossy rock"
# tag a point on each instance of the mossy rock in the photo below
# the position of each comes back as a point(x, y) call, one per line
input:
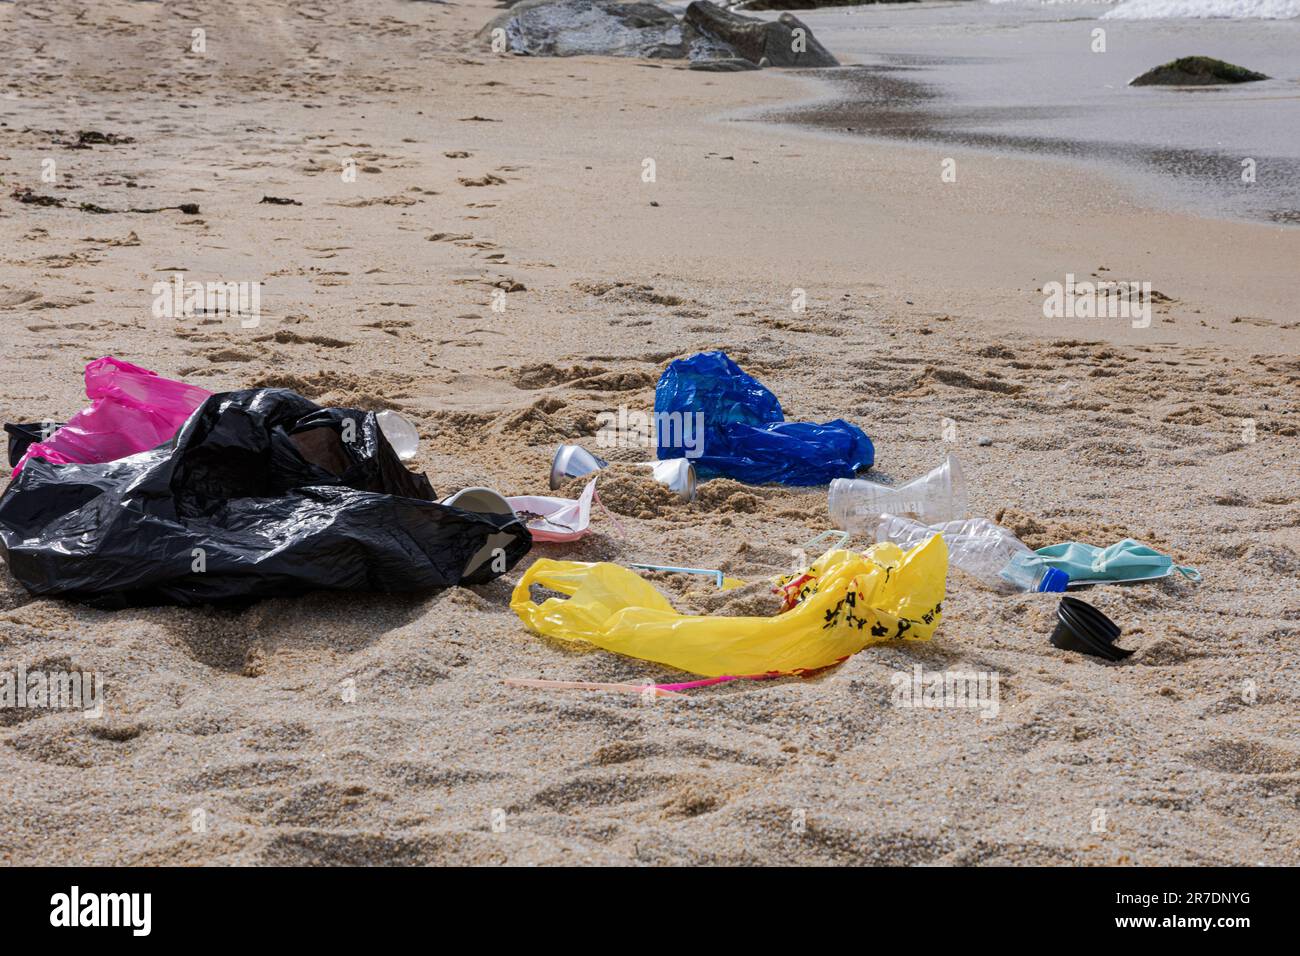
point(1196, 71)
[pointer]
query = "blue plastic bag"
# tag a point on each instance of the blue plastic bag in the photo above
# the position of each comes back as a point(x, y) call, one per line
point(746, 436)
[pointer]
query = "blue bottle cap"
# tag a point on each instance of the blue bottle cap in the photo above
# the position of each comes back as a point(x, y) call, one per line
point(1054, 580)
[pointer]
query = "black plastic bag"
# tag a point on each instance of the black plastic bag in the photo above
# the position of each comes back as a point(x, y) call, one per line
point(23, 435)
point(261, 493)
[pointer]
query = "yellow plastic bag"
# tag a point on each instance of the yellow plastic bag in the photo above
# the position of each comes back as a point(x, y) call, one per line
point(842, 603)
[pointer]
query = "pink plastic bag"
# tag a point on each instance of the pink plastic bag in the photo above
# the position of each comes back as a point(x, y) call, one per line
point(131, 410)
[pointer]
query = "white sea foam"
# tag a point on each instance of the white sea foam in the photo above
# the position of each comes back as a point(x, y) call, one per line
point(1205, 9)
point(1186, 9)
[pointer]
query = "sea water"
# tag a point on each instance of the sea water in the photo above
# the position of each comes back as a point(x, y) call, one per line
point(1051, 78)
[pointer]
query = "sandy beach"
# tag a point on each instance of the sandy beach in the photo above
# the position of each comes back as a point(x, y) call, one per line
point(352, 728)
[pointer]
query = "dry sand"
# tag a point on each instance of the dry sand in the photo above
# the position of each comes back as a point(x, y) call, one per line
point(922, 306)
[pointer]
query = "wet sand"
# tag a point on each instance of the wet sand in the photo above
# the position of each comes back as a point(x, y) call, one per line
point(1022, 78)
point(357, 728)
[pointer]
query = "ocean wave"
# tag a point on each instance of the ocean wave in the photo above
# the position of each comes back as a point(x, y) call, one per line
point(1205, 9)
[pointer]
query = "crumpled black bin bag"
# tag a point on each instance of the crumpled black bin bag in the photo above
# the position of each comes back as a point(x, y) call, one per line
point(261, 491)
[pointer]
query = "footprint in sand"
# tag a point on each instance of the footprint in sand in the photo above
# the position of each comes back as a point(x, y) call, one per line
point(27, 299)
point(16, 298)
point(1244, 756)
point(286, 337)
point(377, 201)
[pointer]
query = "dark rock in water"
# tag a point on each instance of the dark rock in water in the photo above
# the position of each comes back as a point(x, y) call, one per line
point(734, 64)
point(651, 29)
point(1196, 71)
point(590, 28)
point(786, 41)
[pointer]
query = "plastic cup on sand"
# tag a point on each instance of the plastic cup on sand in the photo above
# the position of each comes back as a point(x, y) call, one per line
point(400, 433)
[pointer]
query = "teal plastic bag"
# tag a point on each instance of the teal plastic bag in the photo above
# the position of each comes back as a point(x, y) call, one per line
point(1126, 561)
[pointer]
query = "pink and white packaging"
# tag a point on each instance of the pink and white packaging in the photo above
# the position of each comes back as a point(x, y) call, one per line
point(562, 519)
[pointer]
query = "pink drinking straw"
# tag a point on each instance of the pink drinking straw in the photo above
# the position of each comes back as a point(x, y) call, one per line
point(659, 691)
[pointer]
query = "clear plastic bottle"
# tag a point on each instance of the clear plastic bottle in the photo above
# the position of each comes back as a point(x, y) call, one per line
point(939, 495)
point(986, 551)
